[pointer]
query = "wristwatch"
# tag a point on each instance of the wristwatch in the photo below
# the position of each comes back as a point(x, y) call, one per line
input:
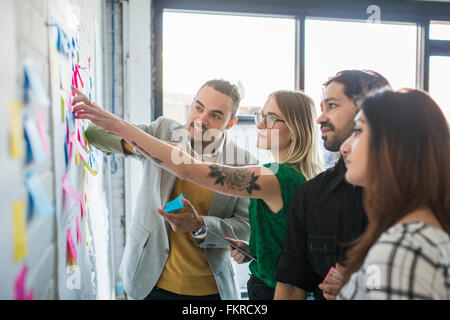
point(199, 233)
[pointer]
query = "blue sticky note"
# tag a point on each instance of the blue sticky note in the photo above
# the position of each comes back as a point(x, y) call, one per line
point(39, 196)
point(70, 121)
point(34, 142)
point(175, 204)
point(34, 83)
point(66, 151)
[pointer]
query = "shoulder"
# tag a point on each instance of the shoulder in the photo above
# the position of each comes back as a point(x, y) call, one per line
point(166, 124)
point(413, 238)
point(285, 172)
point(408, 261)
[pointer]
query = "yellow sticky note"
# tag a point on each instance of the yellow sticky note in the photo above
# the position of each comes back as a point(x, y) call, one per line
point(89, 168)
point(77, 159)
point(88, 235)
point(63, 111)
point(20, 240)
point(54, 65)
point(16, 138)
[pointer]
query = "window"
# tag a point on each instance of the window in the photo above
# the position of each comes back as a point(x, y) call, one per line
point(439, 79)
point(335, 45)
point(440, 30)
point(255, 53)
point(332, 46)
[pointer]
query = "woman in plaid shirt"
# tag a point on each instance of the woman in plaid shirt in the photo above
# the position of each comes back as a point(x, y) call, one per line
point(400, 153)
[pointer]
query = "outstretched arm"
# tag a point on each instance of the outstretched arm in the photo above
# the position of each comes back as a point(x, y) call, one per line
point(248, 182)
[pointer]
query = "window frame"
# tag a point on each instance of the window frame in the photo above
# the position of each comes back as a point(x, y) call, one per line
point(394, 11)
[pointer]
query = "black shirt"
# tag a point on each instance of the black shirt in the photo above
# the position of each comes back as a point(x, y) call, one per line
point(326, 215)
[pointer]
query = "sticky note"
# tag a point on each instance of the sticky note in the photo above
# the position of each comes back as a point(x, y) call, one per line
point(78, 148)
point(39, 196)
point(83, 210)
point(175, 204)
point(71, 245)
point(69, 102)
point(88, 235)
point(63, 112)
point(78, 231)
point(40, 120)
point(81, 138)
point(70, 121)
point(19, 227)
point(34, 139)
point(19, 286)
point(34, 81)
point(70, 190)
point(16, 138)
point(89, 168)
point(66, 152)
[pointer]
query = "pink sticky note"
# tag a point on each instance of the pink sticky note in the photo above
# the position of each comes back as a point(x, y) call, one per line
point(78, 147)
point(69, 102)
point(74, 80)
point(70, 190)
point(81, 136)
point(78, 232)
point(71, 244)
point(79, 75)
point(19, 286)
point(40, 119)
point(83, 210)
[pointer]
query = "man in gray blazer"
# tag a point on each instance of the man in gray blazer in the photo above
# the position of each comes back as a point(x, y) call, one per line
point(155, 254)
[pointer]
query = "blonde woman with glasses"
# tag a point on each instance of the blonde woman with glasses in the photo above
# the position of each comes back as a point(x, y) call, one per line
point(286, 127)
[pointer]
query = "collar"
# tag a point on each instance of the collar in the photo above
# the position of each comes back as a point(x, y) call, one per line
point(337, 175)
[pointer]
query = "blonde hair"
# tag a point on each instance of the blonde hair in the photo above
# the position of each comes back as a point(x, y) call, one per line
point(299, 112)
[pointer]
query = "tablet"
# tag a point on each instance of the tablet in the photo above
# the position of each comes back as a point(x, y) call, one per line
point(230, 243)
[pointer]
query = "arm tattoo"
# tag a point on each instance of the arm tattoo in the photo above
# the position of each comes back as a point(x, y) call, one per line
point(142, 151)
point(240, 179)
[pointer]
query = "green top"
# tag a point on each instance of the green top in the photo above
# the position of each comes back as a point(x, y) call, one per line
point(268, 228)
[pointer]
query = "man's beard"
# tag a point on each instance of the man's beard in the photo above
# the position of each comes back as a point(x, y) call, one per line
point(200, 140)
point(334, 142)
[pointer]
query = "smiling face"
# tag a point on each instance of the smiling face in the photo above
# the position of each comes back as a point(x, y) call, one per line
point(336, 119)
point(210, 110)
point(355, 151)
point(267, 136)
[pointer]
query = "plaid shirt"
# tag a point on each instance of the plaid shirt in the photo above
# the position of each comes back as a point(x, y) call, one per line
point(409, 261)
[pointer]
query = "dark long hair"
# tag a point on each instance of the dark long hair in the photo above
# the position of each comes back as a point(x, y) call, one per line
point(408, 164)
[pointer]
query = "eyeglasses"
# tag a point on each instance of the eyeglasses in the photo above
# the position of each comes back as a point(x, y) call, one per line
point(269, 120)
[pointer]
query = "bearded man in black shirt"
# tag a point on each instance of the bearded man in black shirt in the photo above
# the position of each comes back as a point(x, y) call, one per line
point(327, 213)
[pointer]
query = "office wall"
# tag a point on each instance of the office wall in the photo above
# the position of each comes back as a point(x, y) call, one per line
point(59, 248)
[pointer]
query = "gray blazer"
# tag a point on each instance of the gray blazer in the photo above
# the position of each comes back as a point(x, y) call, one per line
point(147, 246)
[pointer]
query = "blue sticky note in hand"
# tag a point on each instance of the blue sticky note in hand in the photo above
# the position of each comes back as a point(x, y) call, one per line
point(175, 204)
point(40, 198)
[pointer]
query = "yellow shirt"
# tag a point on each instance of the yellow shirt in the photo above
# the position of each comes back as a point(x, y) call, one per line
point(187, 271)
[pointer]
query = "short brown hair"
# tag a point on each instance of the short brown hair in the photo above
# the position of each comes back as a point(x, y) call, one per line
point(227, 89)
